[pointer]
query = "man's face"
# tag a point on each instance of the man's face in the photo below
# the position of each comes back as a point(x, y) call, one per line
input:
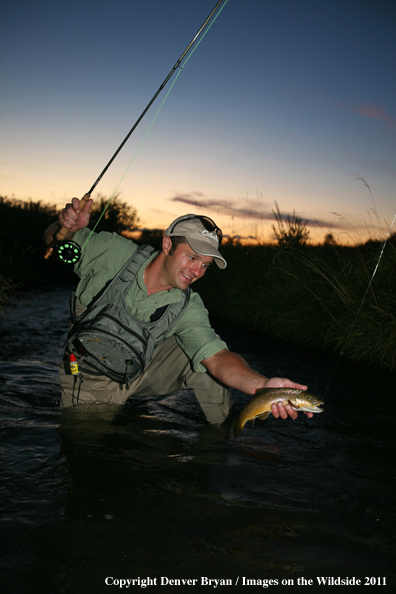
point(185, 266)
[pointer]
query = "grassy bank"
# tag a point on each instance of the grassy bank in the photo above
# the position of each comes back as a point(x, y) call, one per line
point(323, 296)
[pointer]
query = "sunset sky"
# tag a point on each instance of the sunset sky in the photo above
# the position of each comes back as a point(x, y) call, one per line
point(292, 101)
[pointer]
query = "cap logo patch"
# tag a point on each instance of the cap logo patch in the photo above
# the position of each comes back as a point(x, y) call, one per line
point(211, 235)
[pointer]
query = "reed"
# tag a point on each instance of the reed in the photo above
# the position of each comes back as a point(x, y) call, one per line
point(322, 296)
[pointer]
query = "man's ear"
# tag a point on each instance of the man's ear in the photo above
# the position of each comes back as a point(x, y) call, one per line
point(166, 245)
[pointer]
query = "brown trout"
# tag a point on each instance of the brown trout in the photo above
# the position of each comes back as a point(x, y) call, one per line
point(260, 405)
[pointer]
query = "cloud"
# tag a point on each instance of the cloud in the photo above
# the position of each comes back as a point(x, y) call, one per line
point(243, 208)
point(368, 110)
point(375, 111)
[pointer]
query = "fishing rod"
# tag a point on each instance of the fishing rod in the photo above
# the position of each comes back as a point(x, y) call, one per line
point(69, 252)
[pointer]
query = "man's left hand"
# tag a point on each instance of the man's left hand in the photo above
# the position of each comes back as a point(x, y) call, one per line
point(279, 410)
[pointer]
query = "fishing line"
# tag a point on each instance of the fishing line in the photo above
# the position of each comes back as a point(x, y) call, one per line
point(70, 251)
point(133, 158)
point(152, 122)
point(365, 294)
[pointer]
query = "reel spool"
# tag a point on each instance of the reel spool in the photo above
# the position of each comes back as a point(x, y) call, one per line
point(69, 252)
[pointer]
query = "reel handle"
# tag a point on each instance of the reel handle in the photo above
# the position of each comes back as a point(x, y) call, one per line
point(63, 231)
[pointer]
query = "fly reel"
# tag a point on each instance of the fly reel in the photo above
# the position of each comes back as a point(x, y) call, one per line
point(69, 252)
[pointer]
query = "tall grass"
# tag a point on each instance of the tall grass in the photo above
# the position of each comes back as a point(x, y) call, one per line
point(312, 295)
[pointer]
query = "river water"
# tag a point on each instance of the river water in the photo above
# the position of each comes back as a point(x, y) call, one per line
point(150, 492)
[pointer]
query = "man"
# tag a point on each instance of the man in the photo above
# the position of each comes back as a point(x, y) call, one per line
point(128, 296)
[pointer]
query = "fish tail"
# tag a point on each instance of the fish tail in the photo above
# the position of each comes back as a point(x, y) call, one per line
point(237, 428)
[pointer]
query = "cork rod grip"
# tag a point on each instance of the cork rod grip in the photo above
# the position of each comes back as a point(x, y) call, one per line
point(63, 231)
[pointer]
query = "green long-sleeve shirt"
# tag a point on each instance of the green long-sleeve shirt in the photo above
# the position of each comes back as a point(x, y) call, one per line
point(104, 254)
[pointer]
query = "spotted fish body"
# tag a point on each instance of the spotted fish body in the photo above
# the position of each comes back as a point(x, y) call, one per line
point(260, 406)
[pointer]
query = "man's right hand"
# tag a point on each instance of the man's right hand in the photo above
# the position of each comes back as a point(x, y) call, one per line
point(75, 215)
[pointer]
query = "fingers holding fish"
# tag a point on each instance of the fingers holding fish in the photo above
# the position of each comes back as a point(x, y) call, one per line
point(283, 411)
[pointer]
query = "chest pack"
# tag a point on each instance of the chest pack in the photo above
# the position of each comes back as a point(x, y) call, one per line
point(108, 339)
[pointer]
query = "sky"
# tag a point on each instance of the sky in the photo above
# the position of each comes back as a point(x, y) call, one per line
point(289, 101)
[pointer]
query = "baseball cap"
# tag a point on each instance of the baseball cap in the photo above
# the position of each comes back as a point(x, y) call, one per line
point(201, 233)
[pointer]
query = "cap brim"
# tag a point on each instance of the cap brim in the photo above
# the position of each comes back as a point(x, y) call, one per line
point(204, 249)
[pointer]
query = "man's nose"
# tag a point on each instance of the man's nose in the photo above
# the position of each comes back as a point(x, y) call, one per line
point(197, 269)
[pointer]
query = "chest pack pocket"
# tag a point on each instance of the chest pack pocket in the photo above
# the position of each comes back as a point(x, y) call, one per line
point(108, 339)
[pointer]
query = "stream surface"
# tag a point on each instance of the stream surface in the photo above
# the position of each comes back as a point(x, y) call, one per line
point(151, 491)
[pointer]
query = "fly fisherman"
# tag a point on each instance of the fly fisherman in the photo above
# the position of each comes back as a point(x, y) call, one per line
point(146, 332)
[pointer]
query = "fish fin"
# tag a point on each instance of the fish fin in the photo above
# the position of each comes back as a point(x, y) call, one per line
point(263, 416)
point(295, 406)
